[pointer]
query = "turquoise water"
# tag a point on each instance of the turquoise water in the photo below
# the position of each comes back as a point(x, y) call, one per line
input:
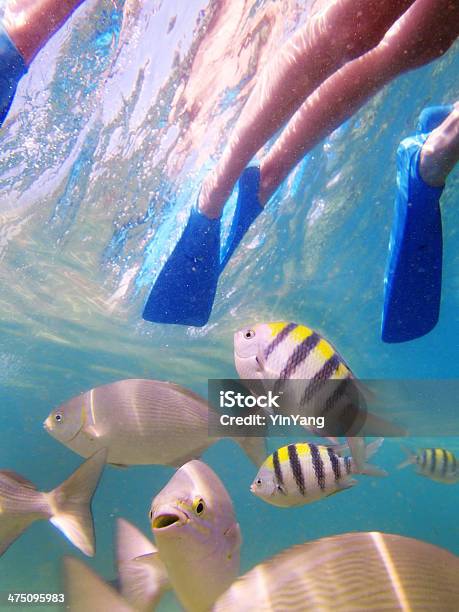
point(107, 142)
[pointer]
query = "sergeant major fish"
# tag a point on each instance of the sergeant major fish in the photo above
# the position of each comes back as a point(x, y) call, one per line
point(67, 507)
point(197, 535)
point(141, 422)
point(299, 474)
point(283, 351)
point(435, 463)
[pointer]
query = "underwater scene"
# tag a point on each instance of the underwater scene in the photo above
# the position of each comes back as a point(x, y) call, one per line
point(110, 334)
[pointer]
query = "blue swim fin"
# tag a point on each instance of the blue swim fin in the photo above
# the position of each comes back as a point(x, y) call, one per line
point(431, 117)
point(184, 291)
point(248, 208)
point(412, 283)
point(12, 69)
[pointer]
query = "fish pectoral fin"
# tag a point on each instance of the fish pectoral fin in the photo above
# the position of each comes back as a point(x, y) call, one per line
point(346, 484)
point(143, 581)
point(234, 537)
point(120, 466)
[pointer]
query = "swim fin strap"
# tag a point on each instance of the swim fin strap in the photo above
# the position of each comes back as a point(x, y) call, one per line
point(412, 283)
point(184, 291)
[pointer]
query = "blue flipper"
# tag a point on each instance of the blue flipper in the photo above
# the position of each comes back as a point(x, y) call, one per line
point(412, 284)
point(12, 68)
point(431, 117)
point(248, 208)
point(185, 289)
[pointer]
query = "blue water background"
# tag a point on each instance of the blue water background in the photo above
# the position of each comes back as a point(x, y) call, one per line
point(92, 178)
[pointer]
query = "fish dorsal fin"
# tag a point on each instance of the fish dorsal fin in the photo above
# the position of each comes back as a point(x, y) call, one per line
point(19, 479)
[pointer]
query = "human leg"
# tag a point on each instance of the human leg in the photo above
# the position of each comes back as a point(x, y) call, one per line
point(440, 152)
point(422, 34)
point(31, 23)
point(344, 30)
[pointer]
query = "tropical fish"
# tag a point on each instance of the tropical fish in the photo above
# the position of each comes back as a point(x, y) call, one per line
point(353, 571)
point(141, 422)
point(282, 351)
point(197, 535)
point(142, 577)
point(435, 463)
point(299, 474)
point(68, 507)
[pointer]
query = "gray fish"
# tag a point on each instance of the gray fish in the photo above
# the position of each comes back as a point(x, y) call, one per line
point(197, 535)
point(68, 507)
point(141, 422)
point(354, 571)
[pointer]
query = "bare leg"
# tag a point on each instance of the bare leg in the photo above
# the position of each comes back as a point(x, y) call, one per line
point(31, 23)
point(342, 31)
point(422, 34)
point(440, 152)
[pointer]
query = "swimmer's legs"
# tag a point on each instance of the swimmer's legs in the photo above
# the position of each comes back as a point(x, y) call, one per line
point(412, 285)
point(342, 31)
point(422, 34)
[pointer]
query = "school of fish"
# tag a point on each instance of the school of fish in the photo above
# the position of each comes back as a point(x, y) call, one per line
point(197, 538)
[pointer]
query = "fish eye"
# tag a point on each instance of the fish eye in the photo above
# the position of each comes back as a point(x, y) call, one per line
point(249, 333)
point(259, 482)
point(58, 417)
point(199, 506)
point(150, 514)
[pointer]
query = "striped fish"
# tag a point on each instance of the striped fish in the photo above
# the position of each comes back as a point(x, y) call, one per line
point(277, 352)
point(435, 463)
point(301, 473)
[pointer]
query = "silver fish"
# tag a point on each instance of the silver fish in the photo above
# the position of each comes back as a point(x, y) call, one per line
point(353, 571)
point(141, 422)
point(67, 507)
point(197, 535)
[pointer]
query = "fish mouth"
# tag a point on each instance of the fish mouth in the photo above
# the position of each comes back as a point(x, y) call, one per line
point(165, 520)
point(168, 518)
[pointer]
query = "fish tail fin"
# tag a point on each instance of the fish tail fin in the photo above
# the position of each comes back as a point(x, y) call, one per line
point(85, 591)
point(410, 458)
point(71, 503)
point(368, 469)
point(254, 447)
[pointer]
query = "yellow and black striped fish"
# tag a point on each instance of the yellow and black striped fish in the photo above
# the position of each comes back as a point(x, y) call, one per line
point(435, 463)
point(301, 473)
